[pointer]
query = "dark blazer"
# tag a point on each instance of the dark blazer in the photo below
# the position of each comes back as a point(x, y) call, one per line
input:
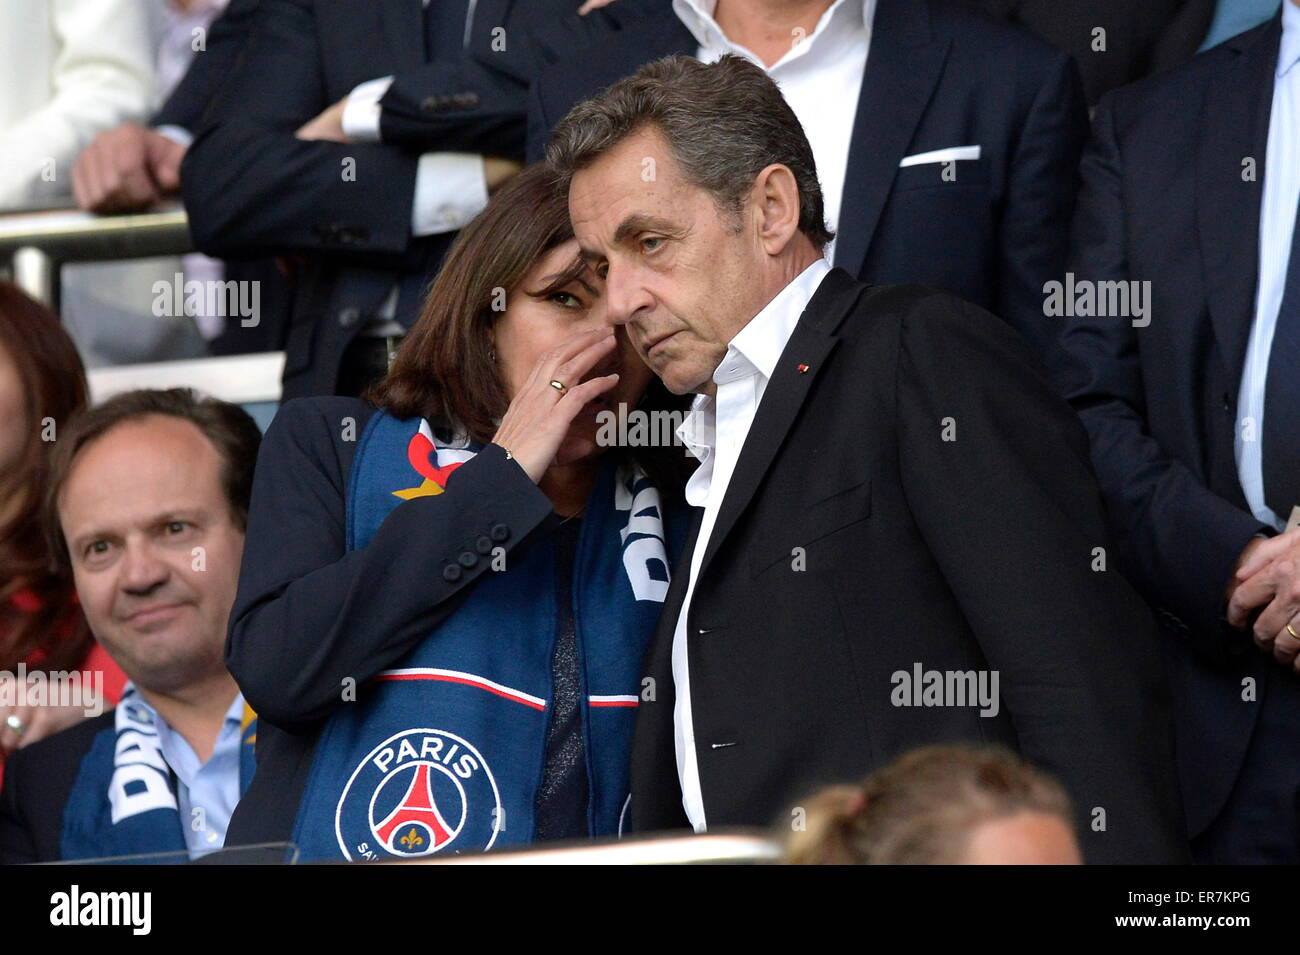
point(938, 75)
point(971, 554)
point(1141, 38)
point(1164, 200)
point(37, 782)
point(253, 189)
point(309, 613)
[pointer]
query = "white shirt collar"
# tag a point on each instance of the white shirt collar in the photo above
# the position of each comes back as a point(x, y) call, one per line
point(757, 347)
point(234, 714)
point(754, 350)
point(697, 16)
point(1288, 53)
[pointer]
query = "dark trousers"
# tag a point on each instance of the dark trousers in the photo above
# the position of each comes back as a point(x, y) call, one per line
point(1260, 823)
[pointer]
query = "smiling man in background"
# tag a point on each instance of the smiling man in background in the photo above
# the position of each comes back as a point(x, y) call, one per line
point(148, 504)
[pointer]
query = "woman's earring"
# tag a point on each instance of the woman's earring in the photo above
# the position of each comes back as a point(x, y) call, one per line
point(492, 354)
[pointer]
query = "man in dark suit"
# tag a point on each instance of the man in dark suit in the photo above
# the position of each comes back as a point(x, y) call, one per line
point(1190, 188)
point(358, 138)
point(894, 500)
point(957, 166)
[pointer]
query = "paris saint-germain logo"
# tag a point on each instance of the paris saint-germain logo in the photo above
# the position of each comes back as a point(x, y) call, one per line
point(419, 792)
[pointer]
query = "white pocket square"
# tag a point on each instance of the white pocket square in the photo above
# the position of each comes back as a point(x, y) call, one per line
point(941, 155)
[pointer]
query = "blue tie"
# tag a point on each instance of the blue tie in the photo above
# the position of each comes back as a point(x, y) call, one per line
point(1281, 447)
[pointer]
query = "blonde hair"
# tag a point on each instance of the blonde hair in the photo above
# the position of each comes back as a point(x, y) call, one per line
point(922, 808)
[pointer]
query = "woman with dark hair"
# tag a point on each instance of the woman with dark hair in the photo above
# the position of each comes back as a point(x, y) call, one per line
point(447, 588)
point(42, 384)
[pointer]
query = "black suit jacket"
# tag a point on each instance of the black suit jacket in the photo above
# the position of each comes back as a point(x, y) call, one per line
point(252, 188)
point(1166, 200)
point(937, 75)
point(37, 782)
point(970, 554)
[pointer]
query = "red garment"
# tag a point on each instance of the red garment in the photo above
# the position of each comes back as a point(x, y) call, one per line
point(114, 678)
point(96, 660)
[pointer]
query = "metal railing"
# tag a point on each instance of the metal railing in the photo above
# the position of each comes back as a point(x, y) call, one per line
point(35, 245)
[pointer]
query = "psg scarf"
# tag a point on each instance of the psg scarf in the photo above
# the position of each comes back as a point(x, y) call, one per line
point(444, 752)
point(123, 802)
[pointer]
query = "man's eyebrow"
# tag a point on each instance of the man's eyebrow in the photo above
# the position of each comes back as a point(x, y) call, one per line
point(642, 223)
point(629, 227)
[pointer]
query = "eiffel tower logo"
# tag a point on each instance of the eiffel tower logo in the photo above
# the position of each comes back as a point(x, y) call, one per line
point(415, 826)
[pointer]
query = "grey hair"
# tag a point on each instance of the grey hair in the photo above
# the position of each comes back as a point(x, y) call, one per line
point(723, 123)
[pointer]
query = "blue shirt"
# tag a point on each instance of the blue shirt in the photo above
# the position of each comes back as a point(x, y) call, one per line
point(1277, 219)
point(1237, 16)
point(206, 793)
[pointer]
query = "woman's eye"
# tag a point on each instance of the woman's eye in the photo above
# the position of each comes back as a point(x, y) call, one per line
point(97, 547)
point(566, 300)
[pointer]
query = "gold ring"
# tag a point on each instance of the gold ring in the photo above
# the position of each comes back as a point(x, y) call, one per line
point(1292, 632)
point(558, 386)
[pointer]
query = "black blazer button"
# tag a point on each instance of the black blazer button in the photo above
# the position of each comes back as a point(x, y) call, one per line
point(451, 573)
point(468, 559)
point(349, 317)
point(429, 104)
point(499, 532)
point(483, 545)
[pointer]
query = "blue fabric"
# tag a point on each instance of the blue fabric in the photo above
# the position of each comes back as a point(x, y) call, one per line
point(211, 786)
point(123, 801)
point(1237, 16)
point(444, 753)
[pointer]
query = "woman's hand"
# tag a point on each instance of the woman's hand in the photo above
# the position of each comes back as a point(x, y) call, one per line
point(539, 416)
point(37, 723)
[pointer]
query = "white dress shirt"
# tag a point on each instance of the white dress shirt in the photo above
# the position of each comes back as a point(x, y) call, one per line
point(1277, 219)
point(714, 432)
point(820, 77)
point(212, 787)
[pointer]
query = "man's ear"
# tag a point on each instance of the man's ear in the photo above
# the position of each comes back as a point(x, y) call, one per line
point(777, 195)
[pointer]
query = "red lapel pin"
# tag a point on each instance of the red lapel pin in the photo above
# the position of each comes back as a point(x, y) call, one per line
point(803, 369)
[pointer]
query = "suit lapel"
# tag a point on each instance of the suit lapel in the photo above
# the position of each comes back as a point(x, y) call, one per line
point(810, 345)
point(904, 64)
point(1234, 126)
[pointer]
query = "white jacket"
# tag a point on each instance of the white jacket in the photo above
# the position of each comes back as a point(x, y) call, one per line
point(68, 70)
